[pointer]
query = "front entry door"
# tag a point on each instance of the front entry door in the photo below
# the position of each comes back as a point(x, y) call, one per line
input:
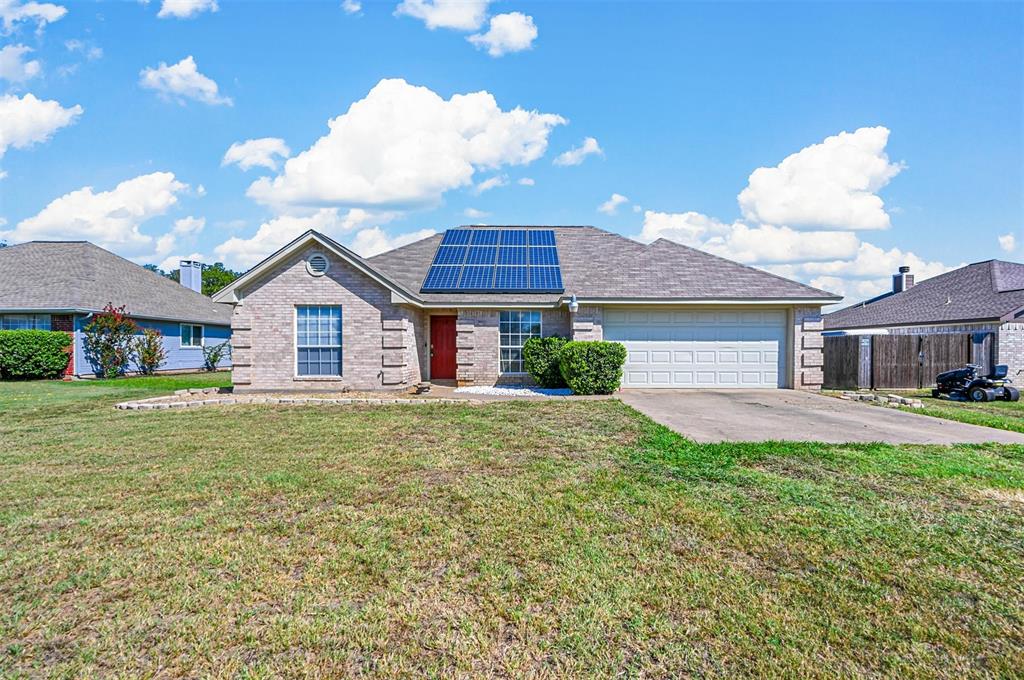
point(442, 348)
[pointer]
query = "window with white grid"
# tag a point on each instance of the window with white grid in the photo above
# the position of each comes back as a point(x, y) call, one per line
point(515, 328)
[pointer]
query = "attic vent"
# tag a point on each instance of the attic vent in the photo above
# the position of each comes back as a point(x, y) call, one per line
point(317, 264)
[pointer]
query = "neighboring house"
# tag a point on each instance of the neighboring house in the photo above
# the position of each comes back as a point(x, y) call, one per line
point(984, 300)
point(458, 306)
point(59, 285)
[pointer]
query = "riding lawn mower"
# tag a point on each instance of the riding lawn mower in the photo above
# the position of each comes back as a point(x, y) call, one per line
point(967, 384)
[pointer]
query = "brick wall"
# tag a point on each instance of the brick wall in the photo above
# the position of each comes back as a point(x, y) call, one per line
point(588, 323)
point(477, 344)
point(808, 358)
point(380, 340)
point(1010, 348)
point(66, 324)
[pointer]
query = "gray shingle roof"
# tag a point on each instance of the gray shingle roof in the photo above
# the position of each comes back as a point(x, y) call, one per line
point(980, 291)
point(600, 264)
point(56, 275)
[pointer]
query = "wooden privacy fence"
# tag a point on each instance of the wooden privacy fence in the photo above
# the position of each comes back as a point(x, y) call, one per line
point(900, 361)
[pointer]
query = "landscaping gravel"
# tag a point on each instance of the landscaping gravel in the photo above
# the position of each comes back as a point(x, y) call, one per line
point(498, 391)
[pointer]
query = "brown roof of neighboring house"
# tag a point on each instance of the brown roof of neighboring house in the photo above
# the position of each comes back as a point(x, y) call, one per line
point(978, 292)
point(77, 275)
point(598, 264)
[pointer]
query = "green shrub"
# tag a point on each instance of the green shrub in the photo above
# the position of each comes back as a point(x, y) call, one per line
point(540, 357)
point(110, 340)
point(592, 367)
point(149, 351)
point(34, 354)
point(214, 353)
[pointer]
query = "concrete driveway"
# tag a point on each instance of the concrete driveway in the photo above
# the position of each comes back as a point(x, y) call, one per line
point(760, 415)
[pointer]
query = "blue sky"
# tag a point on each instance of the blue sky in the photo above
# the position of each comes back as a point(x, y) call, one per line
point(684, 100)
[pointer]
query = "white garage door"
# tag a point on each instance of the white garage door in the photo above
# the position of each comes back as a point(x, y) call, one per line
point(675, 348)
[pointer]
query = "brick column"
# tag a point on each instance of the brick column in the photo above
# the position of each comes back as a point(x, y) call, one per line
point(66, 323)
point(808, 343)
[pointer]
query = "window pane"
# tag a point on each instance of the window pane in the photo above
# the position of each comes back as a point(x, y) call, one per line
point(318, 340)
point(186, 335)
point(197, 336)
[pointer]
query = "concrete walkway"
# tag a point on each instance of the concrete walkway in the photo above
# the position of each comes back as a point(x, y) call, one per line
point(760, 415)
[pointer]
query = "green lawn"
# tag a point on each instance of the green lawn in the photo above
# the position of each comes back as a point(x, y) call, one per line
point(557, 538)
point(1004, 415)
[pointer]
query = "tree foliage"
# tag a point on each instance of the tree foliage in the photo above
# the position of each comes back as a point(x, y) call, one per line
point(110, 340)
point(213, 354)
point(150, 353)
point(215, 276)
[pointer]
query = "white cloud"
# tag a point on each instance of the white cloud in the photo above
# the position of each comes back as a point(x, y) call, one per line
point(576, 155)
point(276, 232)
point(826, 186)
point(512, 32)
point(27, 120)
point(689, 228)
point(13, 12)
point(182, 81)
point(256, 152)
point(91, 52)
point(463, 15)
point(374, 241)
point(186, 9)
point(611, 206)
point(188, 226)
point(475, 214)
point(526, 182)
point(13, 65)
point(351, 6)
point(870, 272)
point(766, 244)
point(1008, 242)
point(110, 219)
point(491, 183)
point(404, 145)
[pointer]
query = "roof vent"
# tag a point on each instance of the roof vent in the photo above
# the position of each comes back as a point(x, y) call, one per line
point(317, 264)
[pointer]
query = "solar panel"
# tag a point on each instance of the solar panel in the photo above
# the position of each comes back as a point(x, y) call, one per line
point(450, 255)
point(495, 259)
point(545, 278)
point(543, 256)
point(456, 237)
point(513, 255)
point(485, 237)
point(513, 237)
point(542, 237)
point(442, 277)
point(482, 254)
point(476, 277)
point(510, 278)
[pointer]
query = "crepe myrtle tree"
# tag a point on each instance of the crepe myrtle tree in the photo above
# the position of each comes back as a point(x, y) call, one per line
point(110, 340)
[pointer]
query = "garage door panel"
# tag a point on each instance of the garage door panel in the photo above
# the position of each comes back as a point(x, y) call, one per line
point(675, 348)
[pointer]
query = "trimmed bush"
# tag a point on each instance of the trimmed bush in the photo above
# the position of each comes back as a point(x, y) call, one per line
point(540, 357)
point(33, 354)
point(592, 367)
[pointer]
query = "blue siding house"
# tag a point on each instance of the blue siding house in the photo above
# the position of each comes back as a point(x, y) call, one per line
point(59, 285)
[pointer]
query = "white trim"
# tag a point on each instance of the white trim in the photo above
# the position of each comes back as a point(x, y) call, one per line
point(706, 301)
point(202, 341)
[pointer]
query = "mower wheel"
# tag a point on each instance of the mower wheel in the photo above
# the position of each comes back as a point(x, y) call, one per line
point(935, 394)
point(1011, 394)
point(978, 394)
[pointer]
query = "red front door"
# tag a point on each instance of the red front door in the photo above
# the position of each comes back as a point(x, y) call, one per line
point(442, 348)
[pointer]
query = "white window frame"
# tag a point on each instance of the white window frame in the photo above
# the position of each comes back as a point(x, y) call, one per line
point(295, 343)
point(192, 336)
point(502, 346)
point(37, 322)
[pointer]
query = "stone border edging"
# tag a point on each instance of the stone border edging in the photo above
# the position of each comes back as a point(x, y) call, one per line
point(161, 403)
point(882, 399)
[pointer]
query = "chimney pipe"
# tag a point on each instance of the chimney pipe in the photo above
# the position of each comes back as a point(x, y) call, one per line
point(191, 274)
point(902, 281)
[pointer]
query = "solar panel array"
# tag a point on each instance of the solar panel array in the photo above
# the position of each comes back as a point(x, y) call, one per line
point(495, 260)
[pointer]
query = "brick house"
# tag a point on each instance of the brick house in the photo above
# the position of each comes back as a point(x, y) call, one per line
point(458, 306)
point(59, 285)
point(984, 299)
